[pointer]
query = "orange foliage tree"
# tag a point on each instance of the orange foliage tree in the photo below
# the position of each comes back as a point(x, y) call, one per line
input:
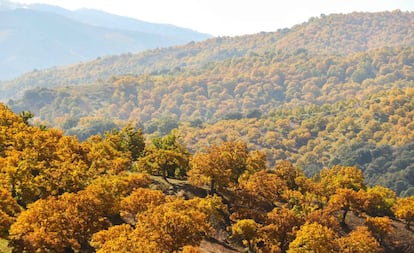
point(404, 209)
point(314, 237)
point(359, 240)
point(222, 165)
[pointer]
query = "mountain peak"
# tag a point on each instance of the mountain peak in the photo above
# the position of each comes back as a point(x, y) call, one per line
point(45, 36)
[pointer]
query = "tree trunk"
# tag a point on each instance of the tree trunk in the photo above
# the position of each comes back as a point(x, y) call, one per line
point(212, 187)
point(164, 175)
point(346, 209)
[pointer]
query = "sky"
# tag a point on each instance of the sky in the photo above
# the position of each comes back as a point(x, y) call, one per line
point(230, 17)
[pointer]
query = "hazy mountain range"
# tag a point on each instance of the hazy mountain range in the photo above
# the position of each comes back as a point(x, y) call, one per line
point(41, 36)
point(336, 34)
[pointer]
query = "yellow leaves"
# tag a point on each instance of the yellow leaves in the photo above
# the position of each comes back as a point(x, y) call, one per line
point(286, 171)
point(213, 207)
point(206, 169)
point(222, 165)
point(190, 249)
point(70, 219)
point(380, 227)
point(9, 209)
point(122, 238)
point(57, 223)
point(103, 157)
point(302, 203)
point(264, 185)
point(245, 230)
point(313, 237)
point(256, 194)
point(178, 217)
point(404, 209)
point(341, 177)
point(44, 163)
point(379, 201)
point(111, 189)
point(139, 201)
point(346, 199)
point(256, 161)
point(166, 227)
point(359, 240)
point(167, 163)
point(128, 140)
point(280, 228)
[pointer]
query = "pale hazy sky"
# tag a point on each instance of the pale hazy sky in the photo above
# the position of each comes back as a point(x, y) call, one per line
point(230, 17)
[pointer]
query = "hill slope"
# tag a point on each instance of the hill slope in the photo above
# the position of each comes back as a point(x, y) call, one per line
point(328, 35)
point(218, 90)
point(311, 105)
point(40, 36)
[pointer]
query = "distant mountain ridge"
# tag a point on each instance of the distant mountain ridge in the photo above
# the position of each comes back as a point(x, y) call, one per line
point(108, 20)
point(42, 36)
point(336, 34)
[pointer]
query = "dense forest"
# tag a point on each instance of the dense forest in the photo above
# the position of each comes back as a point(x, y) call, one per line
point(119, 193)
point(255, 82)
point(374, 134)
point(313, 107)
point(275, 142)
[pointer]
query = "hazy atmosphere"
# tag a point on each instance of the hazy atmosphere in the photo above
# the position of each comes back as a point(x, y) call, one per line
point(230, 17)
point(195, 126)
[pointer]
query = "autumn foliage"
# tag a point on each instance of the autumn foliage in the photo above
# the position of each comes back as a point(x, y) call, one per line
point(62, 195)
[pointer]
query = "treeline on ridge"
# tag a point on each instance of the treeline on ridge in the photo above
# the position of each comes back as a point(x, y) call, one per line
point(336, 34)
point(257, 82)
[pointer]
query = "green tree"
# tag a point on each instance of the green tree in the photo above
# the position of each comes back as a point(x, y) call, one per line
point(26, 116)
point(166, 157)
point(128, 139)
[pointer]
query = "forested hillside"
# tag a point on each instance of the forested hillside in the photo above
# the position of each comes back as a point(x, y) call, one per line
point(292, 94)
point(301, 140)
point(375, 134)
point(326, 35)
point(117, 193)
point(225, 89)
